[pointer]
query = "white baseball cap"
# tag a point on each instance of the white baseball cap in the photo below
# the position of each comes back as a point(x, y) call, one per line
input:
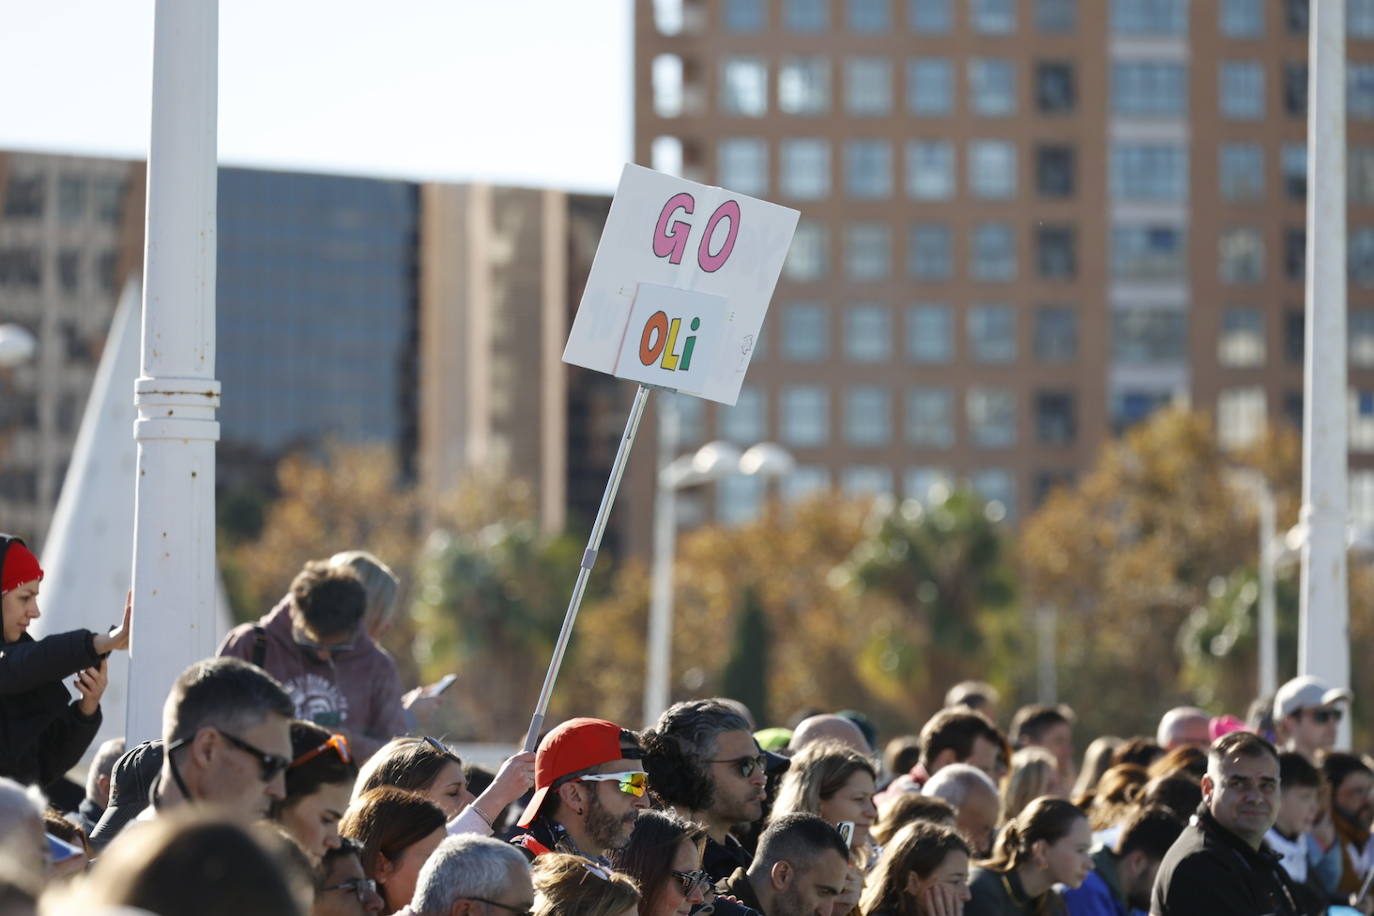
point(1307, 692)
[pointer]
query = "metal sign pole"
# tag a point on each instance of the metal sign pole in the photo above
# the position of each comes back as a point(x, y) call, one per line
point(622, 457)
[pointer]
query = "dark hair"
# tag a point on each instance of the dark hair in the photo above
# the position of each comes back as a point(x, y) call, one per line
point(326, 768)
point(676, 748)
point(971, 694)
point(331, 599)
point(1046, 818)
point(1152, 830)
point(347, 847)
point(919, 847)
point(800, 839)
point(1240, 744)
point(1337, 767)
point(1296, 772)
point(1117, 791)
point(908, 807)
point(901, 754)
point(387, 821)
point(648, 857)
point(1031, 722)
point(222, 692)
point(956, 729)
point(1141, 751)
point(1180, 792)
point(405, 763)
point(1184, 759)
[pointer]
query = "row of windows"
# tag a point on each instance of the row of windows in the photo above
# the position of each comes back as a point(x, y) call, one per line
point(77, 196)
point(22, 268)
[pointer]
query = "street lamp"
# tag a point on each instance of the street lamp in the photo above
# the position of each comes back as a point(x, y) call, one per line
point(713, 461)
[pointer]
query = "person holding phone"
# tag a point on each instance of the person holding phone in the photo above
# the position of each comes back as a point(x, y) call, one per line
point(43, 732)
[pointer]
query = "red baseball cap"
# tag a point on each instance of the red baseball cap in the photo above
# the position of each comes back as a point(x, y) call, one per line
point(574, 745)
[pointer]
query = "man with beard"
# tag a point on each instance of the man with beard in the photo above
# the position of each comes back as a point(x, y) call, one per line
point(589, 787)
point(704, 762)
point(1220, 864)
point(800, 869)
point(1352, 812)
point(1121, 878)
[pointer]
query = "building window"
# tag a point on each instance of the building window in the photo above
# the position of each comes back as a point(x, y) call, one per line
point(745, 423)
point(1359, 18)
point(1241, 345)
point(744, 87)
point(1150, 89)
point(744, 15)
point(930, 334)
point(1293, 159)
point(106, 271)
point(1047, 481)
point(809, 257)
point(1054, 87)
point(1295, 16)
point(992, 169)
point(1359, 90)
point(804, 482)
point(1292, 408)
point(930, 252)
point(1361, 420)
point(71, 198)
point(21, 268)
point(865, 480)
point(993, 17)
point(1241, 415)
point(931, 17)
point(1360, 174)
point(69, 270)
point(868, 169)
point(1242, 90)
point(992, 86)
point(804, 85)
point(867, 334)
point(992, 417)
point(1056, 420)
point(867, 16)
point(930, 169)
point(743, 166)
point(926, 485)
point(24, 196)
point(805, 415)
point(867, 85)
point(867, 251)
point(1242, 18)
point(1242, 171)
point(1149, 336)
point(992, 333)
point(1054, 170)
point(929, 417)
point(1361, 351)
point(805, 332)
point(1242, 255)
point(1360, 257)
point(994, 253)
point(1149, 171)
point(805, 168)
point(1295, 253)
point(1294, 335)
point(806, 15)
point(997, 488)
point(1056, 334)
point(1134, 405)
point(1056, 252)
point(738, 499)
point(929, 86)
point(867, 415)
point(1056, 17)
point(1150, 17)
point(1295, 88)
point(1149, 253)
point(1361, 499)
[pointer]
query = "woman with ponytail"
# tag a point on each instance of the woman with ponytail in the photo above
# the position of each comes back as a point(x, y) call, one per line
point(1044, 845)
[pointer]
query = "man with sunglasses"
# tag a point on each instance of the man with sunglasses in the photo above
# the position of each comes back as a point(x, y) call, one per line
point(341, 886)
point(1307, 715)
point(589, 786)
point(472, 875)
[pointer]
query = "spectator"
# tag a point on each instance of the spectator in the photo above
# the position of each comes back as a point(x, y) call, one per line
point(922, 872)
point(319, 782)
point(960, 736)
point(1050, 727)
point(974, 796)
point(43, 732)
point(1352, 812)
point(314, 642)
point(397, 831)
point(1139, 751)
point(1185, 759)
point(1033, 774)
point(1314, 866)
point(664, 856)
point(1122, 877)
point(1219, 865)
point(834, 781)
point(828, 728)
point(380, 586)
point(1307, 715)
point(589, 788)
point(1180, 792)
point(1184, 726)
point(900, 755)
point(341, 887)
point(1046, 844)
point(703, 761)
point(573, 884)
point(22, 844)
point(73, 844)
point(430, 767)
point(799, 869)
point(98, 784)
point(908, 807)
point(473, 876)
point(974, 695)
point(1097, 759)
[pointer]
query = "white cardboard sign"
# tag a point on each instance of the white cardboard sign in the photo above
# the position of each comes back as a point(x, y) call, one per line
point(680, 285)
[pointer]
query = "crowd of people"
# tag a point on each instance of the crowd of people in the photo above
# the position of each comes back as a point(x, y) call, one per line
point(288, 780)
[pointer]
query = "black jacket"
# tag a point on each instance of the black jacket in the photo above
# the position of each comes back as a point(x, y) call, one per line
point(1209, 871)
point(42, 732)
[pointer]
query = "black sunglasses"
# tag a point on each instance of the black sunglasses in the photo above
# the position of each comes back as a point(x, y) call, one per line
point(505, 906)
point(272, 764)
point(440, 747)
point(746, 765)
point(691, 881)
point(1323, 716)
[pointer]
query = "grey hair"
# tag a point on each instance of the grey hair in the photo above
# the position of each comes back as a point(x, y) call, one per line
point(956, 782)
point(21, 814)
point(1174, 718)
point(696, 724)
point(466, 865)
point(103, 764)
point(379, 582)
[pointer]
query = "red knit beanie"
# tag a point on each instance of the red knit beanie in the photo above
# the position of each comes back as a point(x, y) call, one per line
point(20, 566)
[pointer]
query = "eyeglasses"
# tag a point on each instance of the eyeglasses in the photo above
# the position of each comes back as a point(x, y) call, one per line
point(634, 782)
point(272, 764)
point(522, 910)
point(360, 887)
point(338, 742)
point(692, 881)
point(746, 765)
point(1323, 716)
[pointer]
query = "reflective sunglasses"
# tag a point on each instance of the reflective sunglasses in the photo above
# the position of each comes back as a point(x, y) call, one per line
point(272, 764)
point(339, 744)
point(522, 911)
point(692, 881)
point(360, 887)
point(632, 782)
point(1323, 716)
point(746, 765)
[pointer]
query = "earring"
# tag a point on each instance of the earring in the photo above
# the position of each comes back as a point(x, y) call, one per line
point(579, 812)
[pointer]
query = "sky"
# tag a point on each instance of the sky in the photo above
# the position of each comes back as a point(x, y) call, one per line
point(525, 92)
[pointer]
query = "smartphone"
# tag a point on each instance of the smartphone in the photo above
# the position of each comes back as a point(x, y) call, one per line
point(439, 686)
point(846, 829)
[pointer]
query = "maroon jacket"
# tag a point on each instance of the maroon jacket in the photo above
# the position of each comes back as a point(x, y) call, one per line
point(358, 690)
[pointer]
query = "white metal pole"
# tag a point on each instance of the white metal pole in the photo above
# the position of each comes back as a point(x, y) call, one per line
point(658, 670)
point(177, 394)
point(1046, 626)
point(1324, 643)
point(1268, 629)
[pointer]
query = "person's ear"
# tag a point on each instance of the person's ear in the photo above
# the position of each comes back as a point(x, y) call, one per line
point(573, 796)
point(384, 868)
point(1209, 785)
point(102, 784)
point(914, 885)
point(1038, 850)
point(202, 749)
point(780, 875)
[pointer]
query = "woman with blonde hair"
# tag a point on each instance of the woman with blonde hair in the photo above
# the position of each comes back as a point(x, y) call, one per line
point(573, 886)
point(1033, 773)
point(834, 781)
point(923, 870)
point(380, 584)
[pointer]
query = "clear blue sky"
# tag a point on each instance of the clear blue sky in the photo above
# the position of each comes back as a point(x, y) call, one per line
point(530, 92)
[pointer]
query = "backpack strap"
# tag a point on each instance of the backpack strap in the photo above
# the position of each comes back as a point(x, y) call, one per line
point(259, 645)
